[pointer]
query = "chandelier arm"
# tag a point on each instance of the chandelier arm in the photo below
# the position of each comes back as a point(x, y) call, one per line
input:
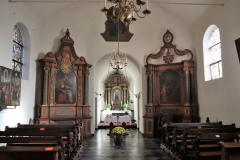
point(141, 16)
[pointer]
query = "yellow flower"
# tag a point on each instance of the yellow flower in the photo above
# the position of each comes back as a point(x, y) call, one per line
point(118, 131)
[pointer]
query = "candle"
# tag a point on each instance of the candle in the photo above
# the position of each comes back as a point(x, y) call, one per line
point(105, 3)
point(147, 4)
point(133, 13)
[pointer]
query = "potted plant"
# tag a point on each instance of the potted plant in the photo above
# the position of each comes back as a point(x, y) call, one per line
point(108, 106)
point(118, 132)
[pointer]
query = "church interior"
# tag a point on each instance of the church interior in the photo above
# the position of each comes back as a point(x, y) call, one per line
point(180, 60)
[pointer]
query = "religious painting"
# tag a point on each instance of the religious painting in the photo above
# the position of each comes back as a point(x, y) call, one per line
point(65, 88)
point(15, 88)
point(5, 86)
point(117, 95)
point(170, 91)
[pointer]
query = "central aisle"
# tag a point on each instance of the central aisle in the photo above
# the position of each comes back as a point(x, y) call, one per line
point(134, 147)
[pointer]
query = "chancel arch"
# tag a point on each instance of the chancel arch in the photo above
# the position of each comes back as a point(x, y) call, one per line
point(131, 74)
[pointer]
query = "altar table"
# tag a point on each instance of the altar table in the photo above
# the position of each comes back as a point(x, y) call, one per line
point(120, 119)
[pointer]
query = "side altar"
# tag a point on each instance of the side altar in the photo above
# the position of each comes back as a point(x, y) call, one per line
point(63, 88)
point(171, 87)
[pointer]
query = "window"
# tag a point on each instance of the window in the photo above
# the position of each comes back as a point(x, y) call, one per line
point(17, 52)
point(212, 53)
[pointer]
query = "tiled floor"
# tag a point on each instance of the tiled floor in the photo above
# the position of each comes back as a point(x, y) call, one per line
point(134, 147)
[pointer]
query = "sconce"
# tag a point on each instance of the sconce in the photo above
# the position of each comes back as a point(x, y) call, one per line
point(137, 95)
point(98, 94)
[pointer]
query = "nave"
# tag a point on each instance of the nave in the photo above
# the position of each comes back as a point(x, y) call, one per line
point(134, 147)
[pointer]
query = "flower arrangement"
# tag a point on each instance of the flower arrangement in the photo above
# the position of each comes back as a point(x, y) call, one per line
point(118, 131)
point(108, 106)
point(125, 106)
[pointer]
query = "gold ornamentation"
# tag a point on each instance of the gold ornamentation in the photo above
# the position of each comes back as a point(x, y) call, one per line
point(168, 58)
point(66, 65)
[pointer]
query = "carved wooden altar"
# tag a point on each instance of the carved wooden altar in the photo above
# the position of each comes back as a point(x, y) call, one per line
point(62, 86)
point(170, 88)
point(116, 91)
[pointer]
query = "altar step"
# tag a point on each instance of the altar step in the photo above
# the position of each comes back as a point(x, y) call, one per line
point(104, 125)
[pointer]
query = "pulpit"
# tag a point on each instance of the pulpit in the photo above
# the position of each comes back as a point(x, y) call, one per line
point(62, 87)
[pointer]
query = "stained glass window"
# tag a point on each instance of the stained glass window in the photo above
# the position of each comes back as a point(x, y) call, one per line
point(214, 44)
point(17, 52)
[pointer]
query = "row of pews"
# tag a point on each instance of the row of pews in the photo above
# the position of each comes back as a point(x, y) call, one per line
point(41, 142)
point(196, 141)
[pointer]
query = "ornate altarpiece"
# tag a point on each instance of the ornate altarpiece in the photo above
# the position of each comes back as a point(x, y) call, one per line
point(116, 91)
point(62, 87)
point(170, 88)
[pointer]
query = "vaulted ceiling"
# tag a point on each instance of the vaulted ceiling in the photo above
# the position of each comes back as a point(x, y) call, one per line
point(187, 10)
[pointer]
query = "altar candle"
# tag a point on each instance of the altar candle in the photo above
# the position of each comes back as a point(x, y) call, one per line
point(105, 3)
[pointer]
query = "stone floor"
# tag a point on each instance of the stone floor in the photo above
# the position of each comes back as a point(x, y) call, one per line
point(134, 147)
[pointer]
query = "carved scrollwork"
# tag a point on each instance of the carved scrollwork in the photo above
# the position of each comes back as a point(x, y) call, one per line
point(167, 39)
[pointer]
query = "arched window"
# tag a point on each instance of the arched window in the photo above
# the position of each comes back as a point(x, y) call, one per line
point(17, 52)
point(212, 53)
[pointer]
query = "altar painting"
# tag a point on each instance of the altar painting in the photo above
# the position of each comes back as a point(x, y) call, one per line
point(5, 86)
point(170, 91)
point(65, 91)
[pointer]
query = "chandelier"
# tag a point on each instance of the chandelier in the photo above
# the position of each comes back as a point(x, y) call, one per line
point(118, 58)
point(124, 10)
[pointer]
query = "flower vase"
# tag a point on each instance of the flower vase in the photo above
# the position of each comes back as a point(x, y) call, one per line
point(118, 140)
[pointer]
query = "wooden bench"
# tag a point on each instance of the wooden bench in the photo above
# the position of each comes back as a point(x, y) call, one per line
point(168, 128)
point(206, 146)
point(230, 150)
point(29, 152)
point(69, 136)
point(178, 135)
point(36, 141)
point(190, 134)
point(77, 127)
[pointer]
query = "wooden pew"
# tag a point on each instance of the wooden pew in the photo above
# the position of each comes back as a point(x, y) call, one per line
point(206, 146)
point(230, 150)
point(68, 136)
point(178, 132)
point(190, 134)
point(36, 142)
point(77, 127)
point(167, 129)
point(29, 152)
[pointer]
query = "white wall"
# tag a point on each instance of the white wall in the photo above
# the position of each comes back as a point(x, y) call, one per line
point(11, 14)
point(219, 99)
point(85, 23)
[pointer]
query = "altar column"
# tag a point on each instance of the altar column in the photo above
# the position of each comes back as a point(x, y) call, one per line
point(124, 95)
point(86, 87)
point(45, 88)
point(109, 95)
point(186, 90)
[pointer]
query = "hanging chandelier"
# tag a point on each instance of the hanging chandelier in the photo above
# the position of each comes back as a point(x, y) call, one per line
point(118, 58)
point(124, 10)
